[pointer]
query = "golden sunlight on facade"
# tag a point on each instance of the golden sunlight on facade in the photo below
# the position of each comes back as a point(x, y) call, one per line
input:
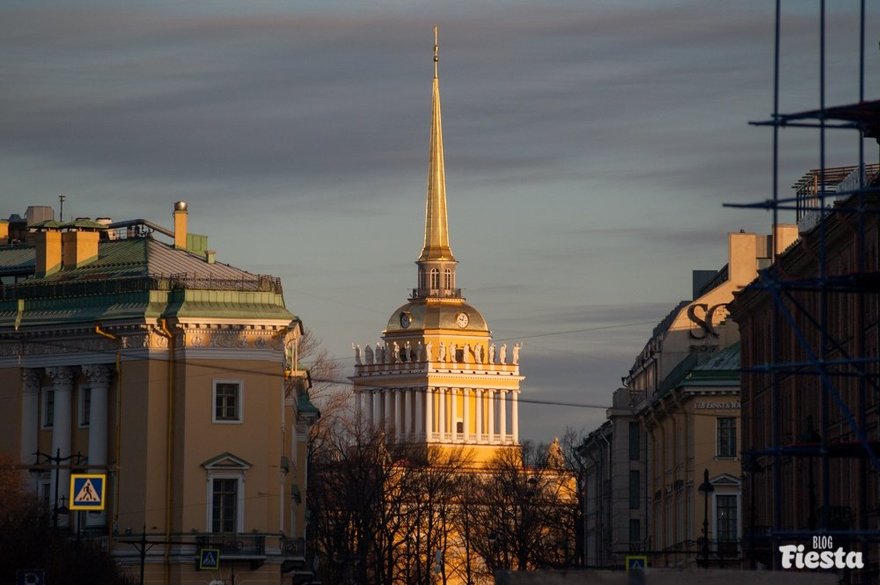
point(170, 372)
point(436, 378)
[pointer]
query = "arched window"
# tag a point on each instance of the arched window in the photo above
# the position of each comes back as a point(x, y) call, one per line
point(435, 278)
point(448, 278)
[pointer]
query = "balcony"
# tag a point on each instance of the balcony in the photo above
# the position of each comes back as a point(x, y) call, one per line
point(239, 546)
point(294, 548)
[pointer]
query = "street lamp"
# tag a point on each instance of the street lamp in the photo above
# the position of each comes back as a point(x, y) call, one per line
point(707, 488)
point(57, 460)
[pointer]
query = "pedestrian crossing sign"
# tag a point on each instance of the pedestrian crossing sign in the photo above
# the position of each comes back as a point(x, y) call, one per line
point(209, 558)
point(87, 491)
point(636, 563)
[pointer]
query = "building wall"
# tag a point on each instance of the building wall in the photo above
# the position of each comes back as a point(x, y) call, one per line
point(161, 444)
point(790, 409)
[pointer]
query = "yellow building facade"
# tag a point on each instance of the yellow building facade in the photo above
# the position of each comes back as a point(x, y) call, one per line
point(169, 372)
point(690, 375)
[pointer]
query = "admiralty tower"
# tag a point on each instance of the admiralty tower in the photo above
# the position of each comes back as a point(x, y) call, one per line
point(436, 379)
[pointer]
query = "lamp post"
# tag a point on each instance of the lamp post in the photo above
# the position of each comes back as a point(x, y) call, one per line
point(57, 460)
point(707, 488)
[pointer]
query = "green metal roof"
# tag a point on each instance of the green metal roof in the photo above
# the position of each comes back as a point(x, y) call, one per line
point(133, 279)
point(17, 260)
point(723, 369)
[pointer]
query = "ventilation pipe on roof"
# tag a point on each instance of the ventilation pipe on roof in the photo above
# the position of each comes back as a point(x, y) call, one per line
point(180, 220)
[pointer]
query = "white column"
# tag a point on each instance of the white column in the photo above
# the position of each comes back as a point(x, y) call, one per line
point(62, 384)
point(491, 406)
point(376, 411)
point(441, 419)
point(514, 415)
point(479, 398)
point(502, 414)
point(398, 414)
point(30, 413)
point(466, 413)
point(99, 384)
point(429, 414)
point(419, 414)
point(389, 410)
point(453, 416)
point(411, 414)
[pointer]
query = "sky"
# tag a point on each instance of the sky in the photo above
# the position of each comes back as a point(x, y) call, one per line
point(590, 146)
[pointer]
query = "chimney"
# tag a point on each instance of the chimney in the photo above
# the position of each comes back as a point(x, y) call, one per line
point(48, 247)
point(78, 248)
point(784, 235)
point(180, 217)
point(742, 258)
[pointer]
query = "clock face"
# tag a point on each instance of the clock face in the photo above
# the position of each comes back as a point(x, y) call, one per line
point(462, 320)
point(405, 320)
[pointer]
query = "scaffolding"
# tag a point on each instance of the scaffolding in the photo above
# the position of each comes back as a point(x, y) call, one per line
point(817, 371)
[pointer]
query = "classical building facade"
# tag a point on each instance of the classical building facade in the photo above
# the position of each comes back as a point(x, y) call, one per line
point(168, 371)
point(645, 456)
point(436, 379)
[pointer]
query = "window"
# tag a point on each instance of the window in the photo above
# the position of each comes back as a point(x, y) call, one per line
point(634, 482)
point(726, 517)
point(224, 505)
point(727, 437)
point(459, 427)
point(448, 275)
point(48, 408)
point(635, 442)
point(85, 405)
point(635, 531)
point(228, 402)
point(225, 487)
point(435, 278)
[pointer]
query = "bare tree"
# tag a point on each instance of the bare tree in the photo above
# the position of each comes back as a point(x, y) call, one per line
point(523, 517)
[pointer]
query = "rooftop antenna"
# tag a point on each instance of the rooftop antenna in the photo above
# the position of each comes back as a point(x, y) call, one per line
point(61, 199)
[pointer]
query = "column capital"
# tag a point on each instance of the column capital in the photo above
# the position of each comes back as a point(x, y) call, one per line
point(30, 379)
point(98, 374)
point(61, 375)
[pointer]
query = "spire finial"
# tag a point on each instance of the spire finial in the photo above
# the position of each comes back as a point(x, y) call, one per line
point(436, 51)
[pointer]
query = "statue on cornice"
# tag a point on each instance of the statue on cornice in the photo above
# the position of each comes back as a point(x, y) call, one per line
point(516, 348)
point(357, 353)
point(555, 457)
point(368, 354)
point(502, 354)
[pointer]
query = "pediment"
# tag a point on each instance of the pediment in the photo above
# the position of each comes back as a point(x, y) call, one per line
point(725, 479)
point(226, 461)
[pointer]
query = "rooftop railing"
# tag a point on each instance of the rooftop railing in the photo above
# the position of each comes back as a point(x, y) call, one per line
point(163, 282)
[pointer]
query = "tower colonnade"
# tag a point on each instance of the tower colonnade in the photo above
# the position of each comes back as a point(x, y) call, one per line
point(442, 414)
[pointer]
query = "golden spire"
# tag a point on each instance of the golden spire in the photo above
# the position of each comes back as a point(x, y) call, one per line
point(436, 246)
